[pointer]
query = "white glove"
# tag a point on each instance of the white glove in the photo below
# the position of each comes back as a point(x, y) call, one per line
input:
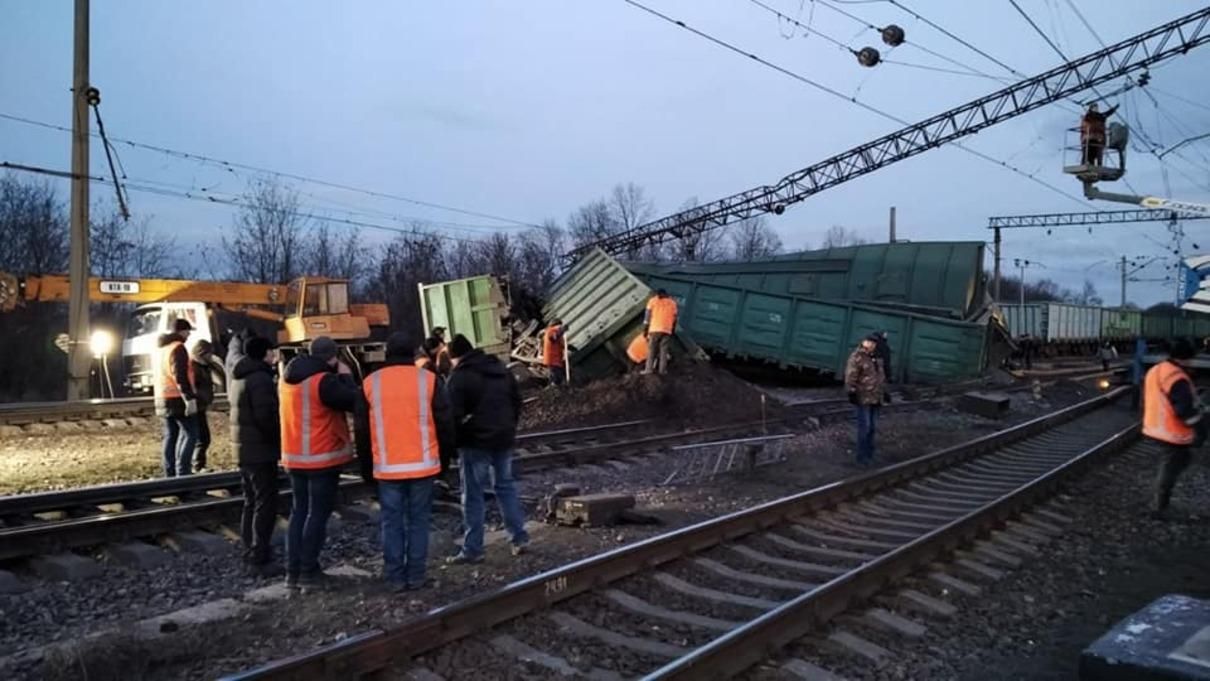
point(190, 407)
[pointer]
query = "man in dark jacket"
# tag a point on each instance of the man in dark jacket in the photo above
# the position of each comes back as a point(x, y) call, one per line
point(203, 385)
point(882, 353)
point(405, 470)
point(487, 405)
point(1172, 419)
point(256, 440)
point(314, 476)
point(175, 399)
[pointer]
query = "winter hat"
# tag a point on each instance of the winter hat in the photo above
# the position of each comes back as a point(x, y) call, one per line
point(460, 346)
point(323, 348)
point(398, 345)
point(182, 324)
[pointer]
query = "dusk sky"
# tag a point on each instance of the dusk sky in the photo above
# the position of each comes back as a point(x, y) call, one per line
point(526, 110)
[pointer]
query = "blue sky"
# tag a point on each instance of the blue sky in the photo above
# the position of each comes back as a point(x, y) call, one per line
point(528, 109)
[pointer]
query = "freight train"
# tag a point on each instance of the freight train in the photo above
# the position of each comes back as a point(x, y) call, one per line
point(1065, 329)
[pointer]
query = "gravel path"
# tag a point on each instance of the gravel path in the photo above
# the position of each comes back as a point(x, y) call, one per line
point(294, 626)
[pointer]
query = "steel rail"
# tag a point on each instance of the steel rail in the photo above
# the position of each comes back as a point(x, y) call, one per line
point(372, 651)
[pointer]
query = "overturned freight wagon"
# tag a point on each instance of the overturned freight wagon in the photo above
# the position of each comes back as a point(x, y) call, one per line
point(807, 333)
point(476, 307)
point(939, 278)
point(602, 306)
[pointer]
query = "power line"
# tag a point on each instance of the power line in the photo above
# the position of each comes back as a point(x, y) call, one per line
point(1039, 31)
point(815, 31)
point(947, 33)
point(231, 165)
point(852, 100)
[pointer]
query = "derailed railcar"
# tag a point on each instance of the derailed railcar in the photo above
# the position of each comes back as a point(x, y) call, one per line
point(942, 278)
point(794, 331)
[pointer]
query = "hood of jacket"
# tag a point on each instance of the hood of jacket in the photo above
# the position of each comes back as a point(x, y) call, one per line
point(481, 363)
point(170, 338)
point(247, 366)
point(305, 366)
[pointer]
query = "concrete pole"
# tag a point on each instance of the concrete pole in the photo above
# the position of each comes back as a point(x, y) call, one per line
point(79, 357)
point(996, 267)
point(892, 224)
point(1021, 264)
point(1123, 265)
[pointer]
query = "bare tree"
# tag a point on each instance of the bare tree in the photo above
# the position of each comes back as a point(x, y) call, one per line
point(697, 245)
point(630, 206)
point(266, 241)
point(754, 238)
point(839, 236)
point(33, 228)
point(592, 222)
point(411, 259)
point(1087, 296)
point(338, 256)
point(122, 248)
point(496, 255)
point(541, 256)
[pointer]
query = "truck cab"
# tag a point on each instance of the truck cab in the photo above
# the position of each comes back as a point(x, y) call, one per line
point(140, 346)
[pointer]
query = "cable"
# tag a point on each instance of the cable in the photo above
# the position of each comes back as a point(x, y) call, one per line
point(946, 32)
point(230, 165)
point(938, 69)
point(838, 95)
point(794, 21)
point(1039, 31)
point(109, 154)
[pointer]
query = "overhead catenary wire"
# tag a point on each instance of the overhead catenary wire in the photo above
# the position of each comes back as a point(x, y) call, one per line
point(835, 93)
point(232, 165)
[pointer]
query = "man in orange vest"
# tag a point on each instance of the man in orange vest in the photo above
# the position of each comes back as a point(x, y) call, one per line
point(1172, 417)
point(176, 401)
point(403, 428)
point(315, 394)
point(552, 351)
point(659, 323)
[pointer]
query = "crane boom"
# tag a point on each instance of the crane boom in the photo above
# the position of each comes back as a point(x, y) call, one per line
point(1143, 50)
point(54, 288)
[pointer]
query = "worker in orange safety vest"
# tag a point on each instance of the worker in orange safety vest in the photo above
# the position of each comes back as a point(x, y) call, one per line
point(552, 352)
point(659, 323)
point(176, 400)
point(405, 433)
point(1172, 417)
point(316, 392)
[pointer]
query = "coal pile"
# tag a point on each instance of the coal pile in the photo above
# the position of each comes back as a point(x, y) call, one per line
point(697, 394)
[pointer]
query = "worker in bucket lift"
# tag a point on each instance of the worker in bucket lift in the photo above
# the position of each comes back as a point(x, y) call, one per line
point(1172, 418)
point(552, 351)
point(659, 323)
point(1092, 134)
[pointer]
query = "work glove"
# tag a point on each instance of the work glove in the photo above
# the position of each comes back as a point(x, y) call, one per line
point(853, 398)
point(190, 407)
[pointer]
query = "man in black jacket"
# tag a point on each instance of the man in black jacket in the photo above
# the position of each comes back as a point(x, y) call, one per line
point(487, 405)
point(204, 362)
point(256, 439)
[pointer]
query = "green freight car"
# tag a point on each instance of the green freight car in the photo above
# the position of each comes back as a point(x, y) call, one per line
point(476, 307)
point(940, 278)
point(799, 332)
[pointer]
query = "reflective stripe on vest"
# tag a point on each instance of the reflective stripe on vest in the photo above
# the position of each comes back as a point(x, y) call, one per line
point(403, 441)
point(1160, 422)
point(312, 434)
point(167, 383)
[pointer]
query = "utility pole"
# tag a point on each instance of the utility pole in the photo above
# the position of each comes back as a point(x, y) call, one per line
point(79, 360)
point(1122, 264)
point(892, 224)
point(996, 269)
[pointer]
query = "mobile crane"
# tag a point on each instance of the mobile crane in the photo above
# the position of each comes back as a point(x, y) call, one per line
point(300, 311)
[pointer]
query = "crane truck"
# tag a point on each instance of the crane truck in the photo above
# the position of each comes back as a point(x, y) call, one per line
point(297, 312)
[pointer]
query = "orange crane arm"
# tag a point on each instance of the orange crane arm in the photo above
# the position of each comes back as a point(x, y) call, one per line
point(54, 288)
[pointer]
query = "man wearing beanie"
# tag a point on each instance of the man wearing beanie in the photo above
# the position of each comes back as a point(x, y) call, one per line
point(404, 427)
point(316, 393)
point(487, 405)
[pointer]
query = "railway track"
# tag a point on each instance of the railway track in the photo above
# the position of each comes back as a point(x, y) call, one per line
point(714, 599)
point(28, 413)
point(51, 522)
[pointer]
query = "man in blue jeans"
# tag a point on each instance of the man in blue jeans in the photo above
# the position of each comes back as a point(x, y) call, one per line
point(865, 381)
point(487, 404)
point(402, 426)
point(176, 400)
point(315, 394)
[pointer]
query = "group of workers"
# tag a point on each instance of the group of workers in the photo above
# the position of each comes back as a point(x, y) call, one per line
point(184, 393)
point(410, 418)
point(649, 351)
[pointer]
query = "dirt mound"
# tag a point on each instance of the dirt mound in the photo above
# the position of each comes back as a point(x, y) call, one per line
point(697, 394)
